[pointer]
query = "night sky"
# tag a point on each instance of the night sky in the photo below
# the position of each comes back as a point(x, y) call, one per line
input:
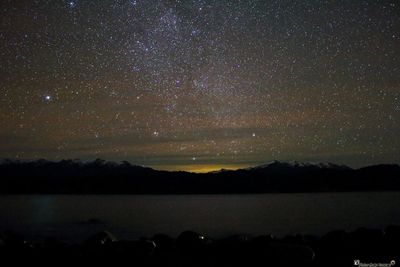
point(200, 85)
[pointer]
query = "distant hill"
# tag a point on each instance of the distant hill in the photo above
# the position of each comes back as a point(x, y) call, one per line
point(101, 177)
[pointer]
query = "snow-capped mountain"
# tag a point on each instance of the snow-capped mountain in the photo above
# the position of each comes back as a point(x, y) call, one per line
point(297, 164)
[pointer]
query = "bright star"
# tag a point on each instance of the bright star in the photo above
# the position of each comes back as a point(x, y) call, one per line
point(71, 4)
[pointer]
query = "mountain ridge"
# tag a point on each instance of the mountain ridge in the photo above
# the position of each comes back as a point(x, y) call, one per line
point(102, 177)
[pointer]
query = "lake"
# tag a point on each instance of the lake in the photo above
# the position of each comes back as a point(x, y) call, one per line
point(75, 217)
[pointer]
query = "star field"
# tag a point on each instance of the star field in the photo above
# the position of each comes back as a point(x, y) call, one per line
point(197, 85)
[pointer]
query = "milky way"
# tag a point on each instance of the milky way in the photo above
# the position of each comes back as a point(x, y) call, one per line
point(201, 84)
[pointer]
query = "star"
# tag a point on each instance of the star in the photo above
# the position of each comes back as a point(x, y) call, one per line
point(71, 4)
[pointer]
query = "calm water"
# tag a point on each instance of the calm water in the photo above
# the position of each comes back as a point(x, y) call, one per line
point(130, 217)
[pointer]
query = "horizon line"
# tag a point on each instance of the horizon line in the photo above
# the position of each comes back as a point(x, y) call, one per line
point(200, 167)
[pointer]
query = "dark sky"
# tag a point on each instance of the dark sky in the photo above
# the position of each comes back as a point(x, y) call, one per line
point(198, 85)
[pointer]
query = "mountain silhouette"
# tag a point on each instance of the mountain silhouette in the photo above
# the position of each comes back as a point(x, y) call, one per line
point(103, 177)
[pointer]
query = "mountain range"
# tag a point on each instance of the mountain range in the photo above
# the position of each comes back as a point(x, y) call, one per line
point(101, 177)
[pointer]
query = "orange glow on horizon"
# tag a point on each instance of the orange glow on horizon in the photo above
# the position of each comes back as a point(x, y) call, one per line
point(201, 168)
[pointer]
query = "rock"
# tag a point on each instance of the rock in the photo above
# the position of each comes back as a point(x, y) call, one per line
point(163, 242)
point(190, 239)
point(282, 254)
point(102, 238)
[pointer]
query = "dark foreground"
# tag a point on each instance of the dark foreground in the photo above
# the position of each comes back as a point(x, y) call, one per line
point(337, 248)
